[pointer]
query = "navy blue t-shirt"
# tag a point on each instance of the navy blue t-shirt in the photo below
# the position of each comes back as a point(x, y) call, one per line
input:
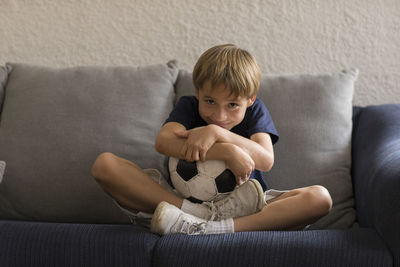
point(256, 119)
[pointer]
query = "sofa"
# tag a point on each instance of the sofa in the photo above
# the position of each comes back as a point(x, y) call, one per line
point(55, 121)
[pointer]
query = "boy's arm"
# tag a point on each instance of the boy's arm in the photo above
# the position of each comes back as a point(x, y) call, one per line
point(171, 144)
point(238, 161)
point(167, 142)
point(258, 147)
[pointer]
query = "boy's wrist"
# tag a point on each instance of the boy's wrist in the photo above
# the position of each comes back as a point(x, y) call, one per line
point(218, 132)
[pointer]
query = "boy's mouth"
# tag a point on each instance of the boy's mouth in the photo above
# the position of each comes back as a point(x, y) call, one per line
point(223, 125)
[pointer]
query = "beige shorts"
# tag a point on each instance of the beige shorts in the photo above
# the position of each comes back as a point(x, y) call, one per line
point(144, 219)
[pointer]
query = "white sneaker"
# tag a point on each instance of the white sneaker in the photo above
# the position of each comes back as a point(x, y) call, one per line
point(168, 219)
point(245, 200)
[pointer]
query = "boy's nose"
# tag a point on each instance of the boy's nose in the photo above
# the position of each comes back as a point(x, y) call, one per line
point(220, 115)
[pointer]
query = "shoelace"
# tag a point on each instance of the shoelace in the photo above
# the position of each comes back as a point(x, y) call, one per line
point(215, 211)
point(191, 228)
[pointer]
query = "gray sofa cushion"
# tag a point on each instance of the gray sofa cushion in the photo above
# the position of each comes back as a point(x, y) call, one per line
point(56, 121)
point(313, 115)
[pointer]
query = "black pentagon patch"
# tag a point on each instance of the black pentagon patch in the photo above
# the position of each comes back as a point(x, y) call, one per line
point(186, 170)
point(194, 200)
point(225, 182)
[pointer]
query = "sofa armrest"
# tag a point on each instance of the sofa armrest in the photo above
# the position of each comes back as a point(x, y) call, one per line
point(376, 172)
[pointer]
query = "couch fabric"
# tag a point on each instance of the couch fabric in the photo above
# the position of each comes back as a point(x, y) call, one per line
point(56, 121)
point(376, 172)
point(360, 247)
point(56, 244)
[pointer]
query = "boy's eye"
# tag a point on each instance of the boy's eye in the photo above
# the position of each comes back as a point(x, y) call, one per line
point(232, 105)
point(210, 102)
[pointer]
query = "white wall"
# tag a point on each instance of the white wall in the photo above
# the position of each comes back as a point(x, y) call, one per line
point(288, 36)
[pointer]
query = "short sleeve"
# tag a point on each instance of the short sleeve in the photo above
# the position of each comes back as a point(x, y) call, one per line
point(186, 113)
point(259, 120)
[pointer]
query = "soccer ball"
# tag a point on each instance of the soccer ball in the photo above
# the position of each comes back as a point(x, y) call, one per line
point(201, 180)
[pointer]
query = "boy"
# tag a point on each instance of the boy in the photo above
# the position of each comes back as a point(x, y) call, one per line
point(225, 121)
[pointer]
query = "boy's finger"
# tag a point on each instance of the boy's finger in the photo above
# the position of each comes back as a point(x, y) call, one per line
point(195, 155)
point(203, 155)
point(188, 155)
point(184, 150)
point(238, 180)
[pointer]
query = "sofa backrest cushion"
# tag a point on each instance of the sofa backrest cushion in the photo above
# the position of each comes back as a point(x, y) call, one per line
point(313, 116)
point(55, 122)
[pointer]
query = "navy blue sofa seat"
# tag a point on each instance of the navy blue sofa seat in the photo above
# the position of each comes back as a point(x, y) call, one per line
point(56, 244)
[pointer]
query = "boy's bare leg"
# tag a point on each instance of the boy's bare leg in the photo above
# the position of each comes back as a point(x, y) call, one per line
point(129, 185)
point(292, 210)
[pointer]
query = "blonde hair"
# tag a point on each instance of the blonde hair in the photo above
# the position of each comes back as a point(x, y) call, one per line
point(230, 65)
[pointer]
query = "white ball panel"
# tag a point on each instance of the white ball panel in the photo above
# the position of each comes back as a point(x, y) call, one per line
point(202, 187)
point(211, 168)
point(180, 184)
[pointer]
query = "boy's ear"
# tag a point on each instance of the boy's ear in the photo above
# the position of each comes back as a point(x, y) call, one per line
point(251, 101)
point(196, 93)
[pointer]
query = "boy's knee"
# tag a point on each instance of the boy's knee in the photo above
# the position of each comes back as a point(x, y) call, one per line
point(103, 164)
point(320, 200)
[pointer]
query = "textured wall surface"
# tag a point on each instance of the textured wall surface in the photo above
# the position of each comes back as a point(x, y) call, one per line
point(302, 36)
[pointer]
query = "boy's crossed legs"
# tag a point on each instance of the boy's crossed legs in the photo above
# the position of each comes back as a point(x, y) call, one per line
point(293, 210)
point(138, 192)
point(129, 185)
point(133, 188)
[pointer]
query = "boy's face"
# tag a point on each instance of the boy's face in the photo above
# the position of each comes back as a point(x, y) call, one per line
point(218, 106)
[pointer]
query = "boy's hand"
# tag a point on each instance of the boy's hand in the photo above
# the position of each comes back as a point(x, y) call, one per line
point(198, 142)
point(241, 164)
